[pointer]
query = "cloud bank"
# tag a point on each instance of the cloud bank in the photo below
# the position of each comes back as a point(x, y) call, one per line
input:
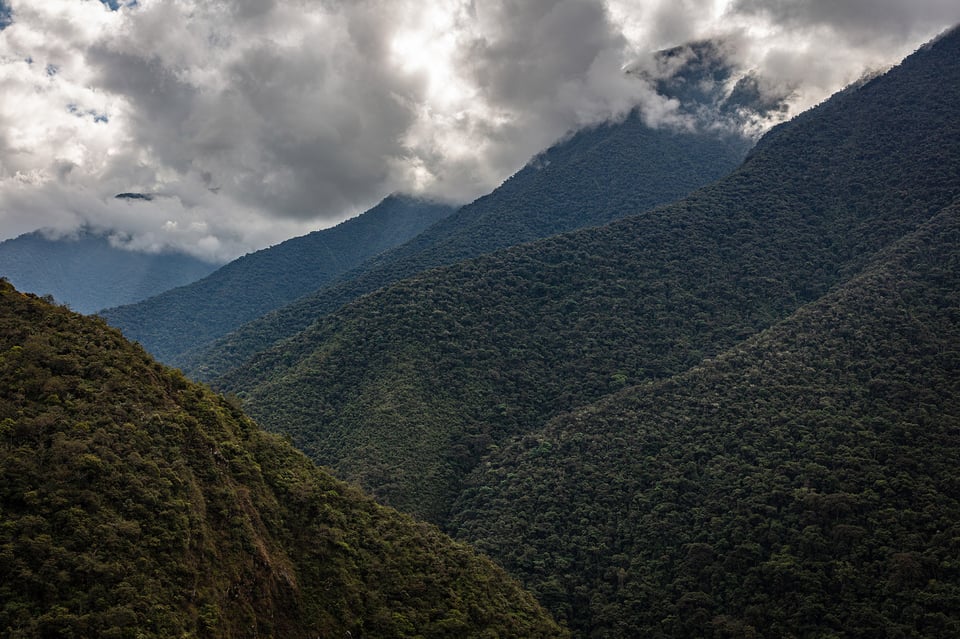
point(255, 120)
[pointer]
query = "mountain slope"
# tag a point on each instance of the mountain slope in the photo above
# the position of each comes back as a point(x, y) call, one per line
point(801, 484)
point(89, 274)
point(257, 283)
point(598, 175)
point(134, 503)
point(407, 389)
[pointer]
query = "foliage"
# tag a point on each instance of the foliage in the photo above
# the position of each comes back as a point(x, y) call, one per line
point(183, 318)
point(597, 175)
point(89, 274)
point(134, 503)
point(801, 484)
point(407, 389)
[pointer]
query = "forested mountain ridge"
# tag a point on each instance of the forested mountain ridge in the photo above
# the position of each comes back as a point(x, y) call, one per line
point(177, 320)
point(599, 174)
point(89, 274)
point(406, 389)
point(134, 503)
point(802, 483)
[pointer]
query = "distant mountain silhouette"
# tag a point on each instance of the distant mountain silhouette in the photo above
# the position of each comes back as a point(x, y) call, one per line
point(88, 273)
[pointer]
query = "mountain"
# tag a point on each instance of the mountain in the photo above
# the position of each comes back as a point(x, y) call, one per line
point(699, 76)
point(88, 273)
point(409, 389)
point(134, 503)
point(177, 320)
point(599, 174)
point(800, 484)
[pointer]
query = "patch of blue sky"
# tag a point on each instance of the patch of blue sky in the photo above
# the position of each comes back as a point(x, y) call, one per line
point(115, 5)
point(6, 15)
point(80, 113)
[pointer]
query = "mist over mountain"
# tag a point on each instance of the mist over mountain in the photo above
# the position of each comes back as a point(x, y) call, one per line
point(599, 174)
point(187, 317)
point(135, 503)
point(87, 272)
point(712, 89)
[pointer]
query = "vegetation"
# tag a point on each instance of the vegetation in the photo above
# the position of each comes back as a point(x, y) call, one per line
point(89, 274)
point(802, 484)
point(177, 320)
point(598, 175)
point(134, 503)
point(407, 389)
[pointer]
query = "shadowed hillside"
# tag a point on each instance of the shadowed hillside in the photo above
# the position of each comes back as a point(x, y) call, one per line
point(180, 319)
point(801, 484)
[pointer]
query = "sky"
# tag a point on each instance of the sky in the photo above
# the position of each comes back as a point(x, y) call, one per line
point(251, 121)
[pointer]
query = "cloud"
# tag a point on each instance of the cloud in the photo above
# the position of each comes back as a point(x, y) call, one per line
point(252, 121)
point(861, 22)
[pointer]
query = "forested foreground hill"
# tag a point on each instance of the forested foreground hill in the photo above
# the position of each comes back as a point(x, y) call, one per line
point(600, 174)
point(134, 503)
point(802, 484)
point(407, 389)
point(177, 320)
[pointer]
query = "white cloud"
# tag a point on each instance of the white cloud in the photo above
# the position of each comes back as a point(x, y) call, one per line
point(253, 121)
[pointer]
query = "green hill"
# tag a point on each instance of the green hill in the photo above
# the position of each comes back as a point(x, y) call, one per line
point(802, 484)
point(183, 318)
point(89, 274)
point(134, 503)
point(600, 174)
point(407, 389)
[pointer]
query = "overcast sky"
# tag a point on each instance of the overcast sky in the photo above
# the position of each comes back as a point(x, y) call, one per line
point(251, 121)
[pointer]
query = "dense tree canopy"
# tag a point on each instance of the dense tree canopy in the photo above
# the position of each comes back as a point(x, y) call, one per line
point(800, 484)
point(134, 503)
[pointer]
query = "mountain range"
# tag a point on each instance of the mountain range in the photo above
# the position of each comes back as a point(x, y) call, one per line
point(733, 414)
point(475, 353)
point(458, 393)
point(595, 175)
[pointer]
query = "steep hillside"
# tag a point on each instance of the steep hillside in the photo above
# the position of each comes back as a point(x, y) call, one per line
point(598, 175)
point(183, 318)
point(134, 503)
point(802, 484)
point(89, 274)
point(408, 388)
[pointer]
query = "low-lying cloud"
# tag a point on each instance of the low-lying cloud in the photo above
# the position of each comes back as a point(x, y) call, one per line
point(251, 122)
